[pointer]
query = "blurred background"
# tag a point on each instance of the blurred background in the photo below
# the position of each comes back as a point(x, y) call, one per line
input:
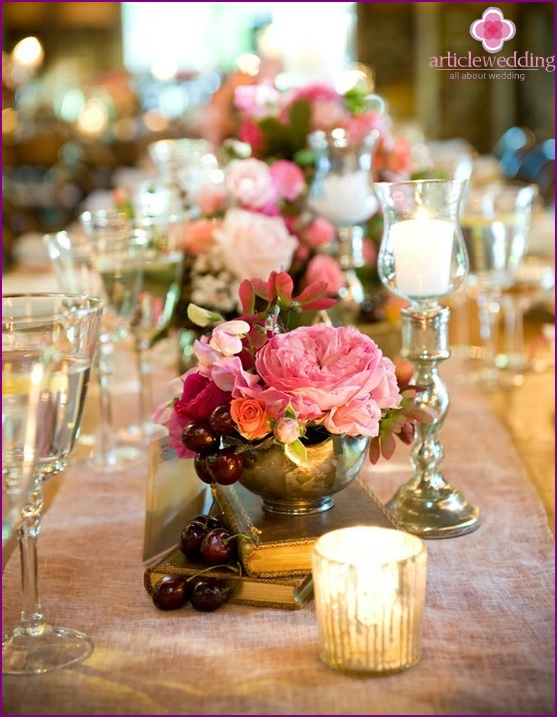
point(87, 86)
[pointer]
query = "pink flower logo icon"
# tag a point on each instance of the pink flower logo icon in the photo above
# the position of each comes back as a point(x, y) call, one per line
point(492, 30)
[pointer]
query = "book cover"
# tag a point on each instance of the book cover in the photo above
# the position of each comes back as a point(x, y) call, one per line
point(272, 545)
point(287, 593)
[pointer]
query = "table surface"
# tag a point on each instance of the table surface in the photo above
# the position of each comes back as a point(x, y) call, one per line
point(489, 618)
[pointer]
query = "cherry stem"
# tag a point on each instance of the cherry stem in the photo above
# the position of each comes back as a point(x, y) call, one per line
point(234, 569)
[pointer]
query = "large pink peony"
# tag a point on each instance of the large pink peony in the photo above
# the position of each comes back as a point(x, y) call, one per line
point(329, 369)
point(253, 244)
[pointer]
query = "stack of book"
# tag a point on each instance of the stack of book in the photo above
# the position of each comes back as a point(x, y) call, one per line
point(275, 550)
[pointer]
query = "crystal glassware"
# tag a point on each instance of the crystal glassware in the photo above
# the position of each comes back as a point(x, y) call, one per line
point(341, 191)
point(70, 325)
point(25, 375)
point(495, 221)
point(162, 267)
point(423, 259)
point(73, 261)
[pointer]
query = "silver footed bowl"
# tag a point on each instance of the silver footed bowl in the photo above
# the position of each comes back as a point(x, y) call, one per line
point(308, 487)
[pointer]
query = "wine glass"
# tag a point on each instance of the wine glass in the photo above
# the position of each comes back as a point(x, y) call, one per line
point(341, 191)
point(70, 325)
point(160, 293)
point(24, 377)
point(495, 223)
point(72, 259)
point(534, 284)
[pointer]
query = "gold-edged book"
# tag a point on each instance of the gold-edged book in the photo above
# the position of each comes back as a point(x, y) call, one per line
point(286, 593)
point(272, 545)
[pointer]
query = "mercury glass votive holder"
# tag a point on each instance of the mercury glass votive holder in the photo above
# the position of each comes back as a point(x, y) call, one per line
point(369, 586)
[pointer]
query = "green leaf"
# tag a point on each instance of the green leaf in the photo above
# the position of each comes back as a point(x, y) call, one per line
point(289, 412)
point(203, 317)
point(299, 114)
point(296, 452)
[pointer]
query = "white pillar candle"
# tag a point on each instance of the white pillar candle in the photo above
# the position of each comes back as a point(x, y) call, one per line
point(422, 250)
point(345, 199)
point(369, 588)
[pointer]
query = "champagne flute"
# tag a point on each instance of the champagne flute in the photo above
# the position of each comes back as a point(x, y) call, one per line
point(72, 259)
point(69, 324)
point(25, 375)
point(495, 223)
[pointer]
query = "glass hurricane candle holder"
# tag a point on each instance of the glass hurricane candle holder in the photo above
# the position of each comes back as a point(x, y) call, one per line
point(369, 586)
point(341, 191)
point(423, 259)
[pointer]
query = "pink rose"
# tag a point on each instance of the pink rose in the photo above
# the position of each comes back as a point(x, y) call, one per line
point(256, 100)
point(211, 199)
point(250, 183)
point(359, 417)
point(314, 92)
point(326, 115)
point(324, 268)
point(326, 367)
point(288, 179)
point(251, 418)
point(319, 233)
point(253, 245)
point(250, 133)
point(287, 430)
point(197, 236)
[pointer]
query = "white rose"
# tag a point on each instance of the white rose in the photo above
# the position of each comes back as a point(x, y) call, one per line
point(253, 245)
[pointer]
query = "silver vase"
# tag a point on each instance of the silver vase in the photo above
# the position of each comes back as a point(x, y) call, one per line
point(308, 487)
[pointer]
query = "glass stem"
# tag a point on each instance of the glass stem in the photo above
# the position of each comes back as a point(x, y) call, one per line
point(514, 332)
point(31, 620)
point(489, 310)
point(105, 367)
point(144, 368)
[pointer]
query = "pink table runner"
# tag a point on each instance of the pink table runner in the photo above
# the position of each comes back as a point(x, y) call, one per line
point(489, 621)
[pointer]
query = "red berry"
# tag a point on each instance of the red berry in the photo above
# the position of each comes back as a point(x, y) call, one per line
point(217, 547)
point(200, 466)
point(225, 466)
point(191, 537)
point(171, 593)
point(209, 594)
point(221, 421)
point(198, 437)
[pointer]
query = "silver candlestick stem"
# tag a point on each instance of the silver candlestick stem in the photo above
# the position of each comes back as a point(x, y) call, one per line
point(427, 505)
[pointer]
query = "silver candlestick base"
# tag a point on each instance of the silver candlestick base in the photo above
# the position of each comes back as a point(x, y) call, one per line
point(427, 505)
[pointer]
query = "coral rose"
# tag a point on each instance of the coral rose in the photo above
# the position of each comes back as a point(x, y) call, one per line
point(324, 268)
point(251, 417)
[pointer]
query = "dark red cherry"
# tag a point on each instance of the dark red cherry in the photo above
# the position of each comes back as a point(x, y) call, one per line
point(225, 466)
point(171, 593)
point(221, 421)
point(200, 467)
point(199, 437)
point(210, 521)
point(209, 594)
point(217, 547)
point(191, 537)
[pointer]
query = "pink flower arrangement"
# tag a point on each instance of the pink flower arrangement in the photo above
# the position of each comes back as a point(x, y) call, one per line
point(254, 222)
point(255, 381)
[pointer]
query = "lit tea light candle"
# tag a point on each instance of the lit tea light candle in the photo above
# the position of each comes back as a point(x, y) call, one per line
point(369, 586)
point(422, 250)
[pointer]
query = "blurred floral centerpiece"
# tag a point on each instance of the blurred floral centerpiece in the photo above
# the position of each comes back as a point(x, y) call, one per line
point(257, 218)
point(258, 385)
